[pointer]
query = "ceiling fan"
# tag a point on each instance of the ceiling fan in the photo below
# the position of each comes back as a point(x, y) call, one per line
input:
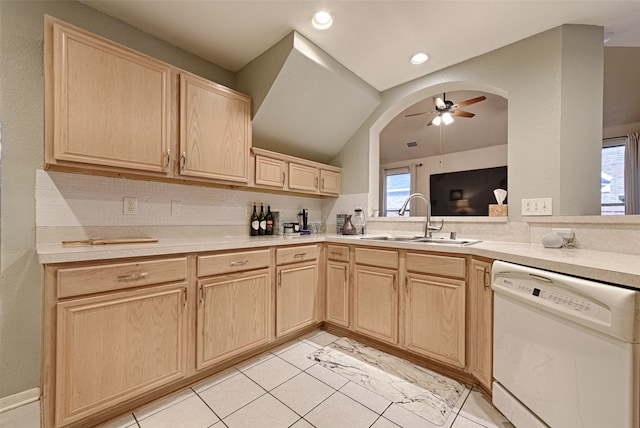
point(447, 109)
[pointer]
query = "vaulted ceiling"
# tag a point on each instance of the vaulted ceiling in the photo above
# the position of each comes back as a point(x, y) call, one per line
point(372, 41)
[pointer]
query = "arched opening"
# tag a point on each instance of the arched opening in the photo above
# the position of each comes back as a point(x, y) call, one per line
point(396, 109)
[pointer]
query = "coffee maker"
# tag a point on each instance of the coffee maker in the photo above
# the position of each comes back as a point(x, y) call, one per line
point(303, 220)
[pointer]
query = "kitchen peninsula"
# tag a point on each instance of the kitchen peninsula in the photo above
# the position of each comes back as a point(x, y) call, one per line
point(291, 290)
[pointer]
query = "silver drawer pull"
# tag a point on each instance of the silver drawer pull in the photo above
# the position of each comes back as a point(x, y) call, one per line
point(300, 254)
point(239, 263)
point(133, 276)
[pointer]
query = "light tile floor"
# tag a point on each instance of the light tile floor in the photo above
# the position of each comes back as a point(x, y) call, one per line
point(282, 388)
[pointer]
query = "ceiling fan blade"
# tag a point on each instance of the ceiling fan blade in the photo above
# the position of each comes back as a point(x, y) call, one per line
point(469, 102)
point(462, 113)
point(419, 114)
point(431, 121)
point(440, 104)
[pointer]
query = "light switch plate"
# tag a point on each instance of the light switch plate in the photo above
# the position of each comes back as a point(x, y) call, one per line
point(537, 206)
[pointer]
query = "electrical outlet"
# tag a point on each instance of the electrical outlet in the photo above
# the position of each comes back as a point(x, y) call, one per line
point(176, 208)
point(537, 206)
point(130, 206)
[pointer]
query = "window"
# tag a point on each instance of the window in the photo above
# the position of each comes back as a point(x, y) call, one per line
point(397, 187)
point(612, 180)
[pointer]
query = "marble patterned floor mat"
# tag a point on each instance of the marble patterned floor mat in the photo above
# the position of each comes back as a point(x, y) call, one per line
point(417, 389)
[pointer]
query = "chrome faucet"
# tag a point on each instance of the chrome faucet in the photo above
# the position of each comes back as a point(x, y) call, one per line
point(428, 228)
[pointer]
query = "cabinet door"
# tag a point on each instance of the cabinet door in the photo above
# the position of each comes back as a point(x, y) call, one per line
point(270, 172)
point(296, 297)
point(329, 182)
point(337, 300)
point(111, 105)
point(481, 319)
point(233, 315)
point(303, 177)
point(215, 130)
point(376, 303)
point(435, 318)
point(115, 347)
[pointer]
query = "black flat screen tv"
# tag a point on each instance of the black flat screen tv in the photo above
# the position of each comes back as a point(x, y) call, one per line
point(466, 193)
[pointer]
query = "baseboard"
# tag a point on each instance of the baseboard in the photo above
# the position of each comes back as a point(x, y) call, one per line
point(20, 399)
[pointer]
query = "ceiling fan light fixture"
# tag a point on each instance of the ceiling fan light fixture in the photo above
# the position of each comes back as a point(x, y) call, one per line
point(436, 121)
point(322, 20)
point(419, 58)
point(447, 118)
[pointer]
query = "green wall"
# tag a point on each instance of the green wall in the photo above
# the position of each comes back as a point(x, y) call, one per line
point(21, 115)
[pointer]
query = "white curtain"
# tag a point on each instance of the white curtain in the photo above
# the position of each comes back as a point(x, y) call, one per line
point(632, 174)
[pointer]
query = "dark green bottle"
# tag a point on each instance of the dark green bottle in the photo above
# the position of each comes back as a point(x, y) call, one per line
point(262, 221)
point(269, 218)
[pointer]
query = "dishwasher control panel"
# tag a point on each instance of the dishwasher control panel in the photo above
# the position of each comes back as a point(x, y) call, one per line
point(575, 303)
point(539, 291)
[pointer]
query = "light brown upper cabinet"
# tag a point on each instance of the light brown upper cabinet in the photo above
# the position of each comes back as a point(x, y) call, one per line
point(270, 172)
point(303, 177)
point(291, 174)
point(329, 182)
point(106, 104)
point(215, 130)
point(110, 109)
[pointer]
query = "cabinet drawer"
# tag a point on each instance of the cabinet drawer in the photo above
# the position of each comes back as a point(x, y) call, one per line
point(338, 252)
point(232, 262)
point(95, 279)
point(380, 258)
point(439, 265)
point(296, 254)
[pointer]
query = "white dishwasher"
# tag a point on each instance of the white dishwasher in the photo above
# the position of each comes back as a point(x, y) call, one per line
point(566, 352)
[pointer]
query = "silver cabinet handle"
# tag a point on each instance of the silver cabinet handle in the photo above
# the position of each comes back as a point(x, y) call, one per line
point(283, 178)
point(184, 160)
point(239, 263)
point(486, 283)
point(299, 254)
point(132, 276)
point(186, 296)
point(168, 159)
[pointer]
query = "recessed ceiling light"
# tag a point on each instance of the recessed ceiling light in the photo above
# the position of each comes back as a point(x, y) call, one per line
point(419, 58)
point(322, 20)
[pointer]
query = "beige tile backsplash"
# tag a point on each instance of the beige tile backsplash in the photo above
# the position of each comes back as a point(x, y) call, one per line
point(84, 205)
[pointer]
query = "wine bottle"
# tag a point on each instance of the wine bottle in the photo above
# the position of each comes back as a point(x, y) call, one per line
point(269, 219)
point(262, 221)
point(254, 224)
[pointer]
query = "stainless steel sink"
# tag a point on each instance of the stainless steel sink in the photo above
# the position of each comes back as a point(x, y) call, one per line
point(446, 241)
point(423, 240)
point(391, 238)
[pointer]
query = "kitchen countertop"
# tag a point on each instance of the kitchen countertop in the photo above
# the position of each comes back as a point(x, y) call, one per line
point(615, 268)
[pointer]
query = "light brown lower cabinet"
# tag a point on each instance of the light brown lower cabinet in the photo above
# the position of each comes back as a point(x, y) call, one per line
point(435, 318)
point(481, 320)
point(297, 282)
point(375, 293)
point(113, 347)
point(296, 297)
point(375, 304)
point(233, 315)
point(338, 279)
point(337, 295)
